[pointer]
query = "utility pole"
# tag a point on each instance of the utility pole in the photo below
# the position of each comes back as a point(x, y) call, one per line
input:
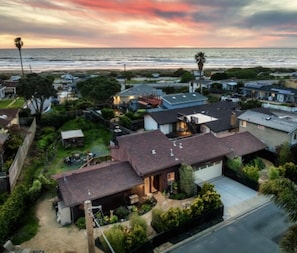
point(89, 226)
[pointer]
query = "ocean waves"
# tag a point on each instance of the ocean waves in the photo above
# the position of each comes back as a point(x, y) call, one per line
point(38, 60)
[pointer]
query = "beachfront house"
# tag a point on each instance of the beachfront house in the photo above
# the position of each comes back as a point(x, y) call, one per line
point(216, 118)
point(123, 98)
point(264, 126)
point(147, 162)
point(181, 100)
point(265, 90)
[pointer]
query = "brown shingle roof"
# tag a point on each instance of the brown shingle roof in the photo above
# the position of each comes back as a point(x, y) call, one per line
point(148, 152)
point(96, 181)
point(201, 148)
point(195, 149)
point(243, 143)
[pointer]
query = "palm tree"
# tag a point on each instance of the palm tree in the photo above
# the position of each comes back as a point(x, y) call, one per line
point(284, 195)
point(200, 59)
point(19, 43)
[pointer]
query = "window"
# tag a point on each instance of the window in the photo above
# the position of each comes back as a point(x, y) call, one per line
point(170, 177)
point(243, 123)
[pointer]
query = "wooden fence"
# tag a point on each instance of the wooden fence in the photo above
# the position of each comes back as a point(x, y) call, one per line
point(18, 162)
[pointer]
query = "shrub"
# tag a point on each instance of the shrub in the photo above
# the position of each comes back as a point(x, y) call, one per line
point(251, 173)
point(211, 200)
point(135, 237)
point(113, 219)
point(290, 171)
point(125, 121)
point(206, 187)
point(145, 208)
point(157, 222)
point(107, 113)
point(81, 223)
point(258, 162)
point(234, 164)
point(174, 217)
point(197, 206)
point(122, 212)
point(136, 220)
point(273, 173)
point(116, 237)
point(187, 184)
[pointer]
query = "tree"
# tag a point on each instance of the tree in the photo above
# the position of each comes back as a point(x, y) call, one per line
point(284, 193)
point(200, 59)
point(284, 153)
point(36, 89)
point(19, 43)
point(99, 89)
point(187, 184)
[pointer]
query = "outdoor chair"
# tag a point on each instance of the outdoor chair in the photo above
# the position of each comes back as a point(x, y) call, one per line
point(11, 248)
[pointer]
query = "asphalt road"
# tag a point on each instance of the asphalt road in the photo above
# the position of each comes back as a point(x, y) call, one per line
point(256, 232)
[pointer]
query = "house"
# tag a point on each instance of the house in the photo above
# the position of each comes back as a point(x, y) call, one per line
point(271, 129)
point(267, 91)
point(9, 117)
point(72, 138)
point(123, 98)
point(216, 118)
point(181, 100)
point(143, 163)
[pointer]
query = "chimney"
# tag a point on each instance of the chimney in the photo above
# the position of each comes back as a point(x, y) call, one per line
point(233, 120)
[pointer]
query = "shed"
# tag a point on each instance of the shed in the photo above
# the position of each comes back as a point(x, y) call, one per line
point(72, 138)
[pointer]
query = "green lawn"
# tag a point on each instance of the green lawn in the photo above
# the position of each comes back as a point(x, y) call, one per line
point(12, 103)
point(96, 140)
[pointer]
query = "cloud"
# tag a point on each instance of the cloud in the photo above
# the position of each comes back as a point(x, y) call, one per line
point(131, 23)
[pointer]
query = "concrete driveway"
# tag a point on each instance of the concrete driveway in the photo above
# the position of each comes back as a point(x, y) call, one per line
point(237, 198)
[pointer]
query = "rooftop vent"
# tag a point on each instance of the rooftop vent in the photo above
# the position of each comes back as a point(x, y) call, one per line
point(171, 152)
point(180, 145)
point(173, 97)
point(268, 118)
point(154, 151)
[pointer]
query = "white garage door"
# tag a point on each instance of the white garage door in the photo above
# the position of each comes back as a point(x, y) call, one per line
point(208, 172)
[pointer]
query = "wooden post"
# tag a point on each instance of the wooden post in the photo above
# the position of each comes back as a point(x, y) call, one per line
point(89, 226)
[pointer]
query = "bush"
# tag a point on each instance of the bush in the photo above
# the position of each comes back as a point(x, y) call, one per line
point(234, 164)
point(251, 173)
point(113, 219)
point(174, 217)
point(273, 173)
point(81, 223)
point(197, 206)
point(157, 222)
point(125, 121)
point(136, 220)
point(107, 113)
point(122, 212)
point(211, 200)
point(258, 162)
point(116, 237)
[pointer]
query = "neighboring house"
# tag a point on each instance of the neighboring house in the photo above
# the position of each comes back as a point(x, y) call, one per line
point(216, 118)
point(123, 98)
point(181, 100)
point(9, 117)
point(72, 138)
point(267, 91)
point(147, 162)
point(10, 87)
point(272, 130)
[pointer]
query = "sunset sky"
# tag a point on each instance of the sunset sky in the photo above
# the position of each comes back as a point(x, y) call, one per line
point(148, 23)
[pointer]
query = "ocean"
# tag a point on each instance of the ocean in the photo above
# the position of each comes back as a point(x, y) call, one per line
point(40, 60)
